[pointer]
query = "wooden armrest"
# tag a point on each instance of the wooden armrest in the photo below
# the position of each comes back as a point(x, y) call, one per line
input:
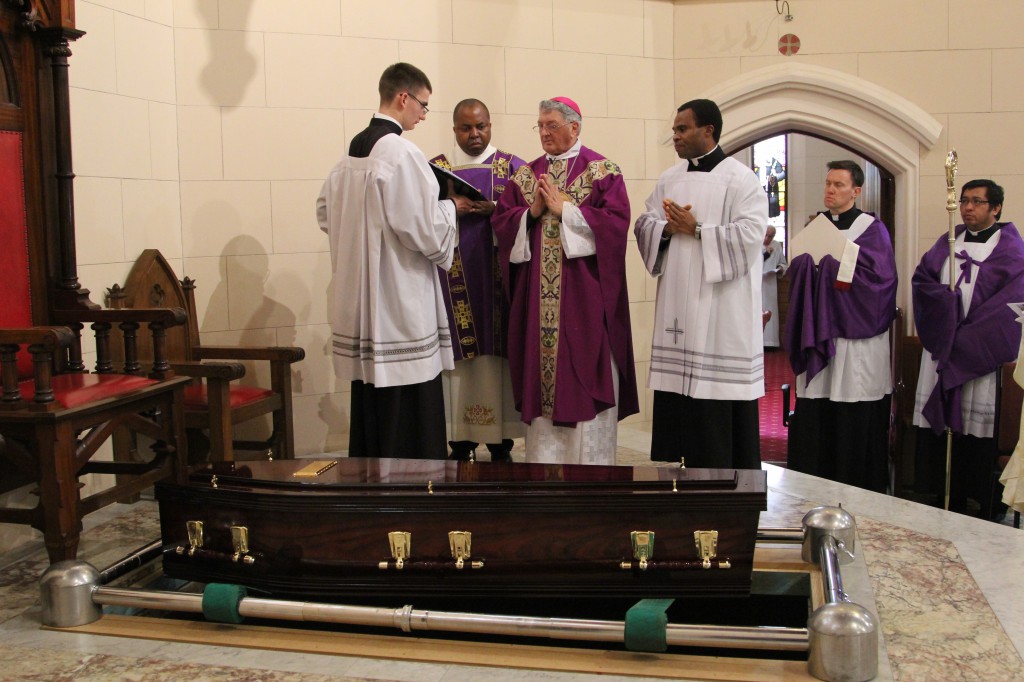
point(169, 317)
point(287, 354)
point(50, 338)
point(43, 343)
point(225, 371)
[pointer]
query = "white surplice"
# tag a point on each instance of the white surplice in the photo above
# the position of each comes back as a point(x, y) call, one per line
point(1012, 477)
point(978, 396)
point(388, 234)
point(707, 340)
point(772, 267)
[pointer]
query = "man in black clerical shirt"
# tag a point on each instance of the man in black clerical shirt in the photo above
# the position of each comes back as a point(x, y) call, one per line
point(842, 410)
point(967, 333)
point(389, 232)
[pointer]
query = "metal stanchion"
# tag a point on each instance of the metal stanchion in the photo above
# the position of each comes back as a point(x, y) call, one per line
point(841, 637)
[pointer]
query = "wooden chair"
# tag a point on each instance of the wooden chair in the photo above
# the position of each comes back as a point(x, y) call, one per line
point(905, 450)
point(54, 415)
point(55, 423)
point(215, 402)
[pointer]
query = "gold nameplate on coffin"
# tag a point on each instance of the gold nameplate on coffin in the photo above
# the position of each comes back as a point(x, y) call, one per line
point(315, 468)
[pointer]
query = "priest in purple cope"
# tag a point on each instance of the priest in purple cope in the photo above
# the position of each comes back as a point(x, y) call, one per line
point(967, 333)
point(481, 408)
point(837, 338)
point(562, 226)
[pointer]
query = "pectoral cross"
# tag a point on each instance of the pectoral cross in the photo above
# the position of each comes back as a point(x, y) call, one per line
point(675, 331)
point(463, 315)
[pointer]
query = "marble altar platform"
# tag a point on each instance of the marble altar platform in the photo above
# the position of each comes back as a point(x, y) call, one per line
point(945, 588)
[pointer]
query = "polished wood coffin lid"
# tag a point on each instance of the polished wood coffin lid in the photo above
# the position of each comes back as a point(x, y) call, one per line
point(536, 529)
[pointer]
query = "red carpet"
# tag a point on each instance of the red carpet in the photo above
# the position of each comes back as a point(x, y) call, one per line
point(773, 434)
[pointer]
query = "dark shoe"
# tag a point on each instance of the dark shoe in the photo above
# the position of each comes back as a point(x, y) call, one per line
point(501, 452)
point(462, 450)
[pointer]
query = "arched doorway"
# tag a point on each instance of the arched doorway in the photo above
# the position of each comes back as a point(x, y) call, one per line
point(873, 122)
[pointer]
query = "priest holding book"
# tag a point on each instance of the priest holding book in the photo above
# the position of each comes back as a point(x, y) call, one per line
point(837, 338)
point(481, 406)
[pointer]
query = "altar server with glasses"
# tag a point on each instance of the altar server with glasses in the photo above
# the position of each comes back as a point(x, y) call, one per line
point(389, 232)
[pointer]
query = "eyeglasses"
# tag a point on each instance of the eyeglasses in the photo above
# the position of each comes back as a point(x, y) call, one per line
point(973, 201)
point(426, 110)
point(549, 127)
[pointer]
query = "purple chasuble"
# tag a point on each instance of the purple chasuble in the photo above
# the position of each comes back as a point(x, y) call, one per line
point(965, 348)
point(593, 319)
point(473, 293)
point(819, 313)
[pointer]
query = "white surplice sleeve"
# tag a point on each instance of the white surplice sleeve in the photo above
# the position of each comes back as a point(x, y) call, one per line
point(649, 228)
point(419, 221)
point(731, 250)
point(577, 237)
point(321, 208)
point(521, 246)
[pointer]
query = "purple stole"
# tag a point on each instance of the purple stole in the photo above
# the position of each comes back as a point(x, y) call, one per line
point(477, 310)
point(965, 348)
point(569, 317)
point(820, 312)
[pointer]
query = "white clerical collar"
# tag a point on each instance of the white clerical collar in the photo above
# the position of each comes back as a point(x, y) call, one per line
point(573, 151)
point(696, 161)
point(461, 158)
point(975, 234)
point(388, 118)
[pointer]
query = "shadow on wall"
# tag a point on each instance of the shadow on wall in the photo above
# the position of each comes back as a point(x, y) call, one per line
point(254, 316)
point(232, 67)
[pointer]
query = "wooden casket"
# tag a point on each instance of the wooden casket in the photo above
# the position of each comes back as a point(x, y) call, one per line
point(353, 528)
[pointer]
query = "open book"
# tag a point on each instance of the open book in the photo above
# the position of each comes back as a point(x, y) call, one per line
point(461, 186)
point(821, 238)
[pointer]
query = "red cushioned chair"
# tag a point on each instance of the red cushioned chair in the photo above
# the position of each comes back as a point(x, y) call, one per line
point(215, 402)
point(54, 415)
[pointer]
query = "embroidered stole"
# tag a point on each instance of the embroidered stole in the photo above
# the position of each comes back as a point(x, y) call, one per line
point(458, 291)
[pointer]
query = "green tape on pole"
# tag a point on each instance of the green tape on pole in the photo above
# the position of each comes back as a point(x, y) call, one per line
point(646, 622)
point(220, 602)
